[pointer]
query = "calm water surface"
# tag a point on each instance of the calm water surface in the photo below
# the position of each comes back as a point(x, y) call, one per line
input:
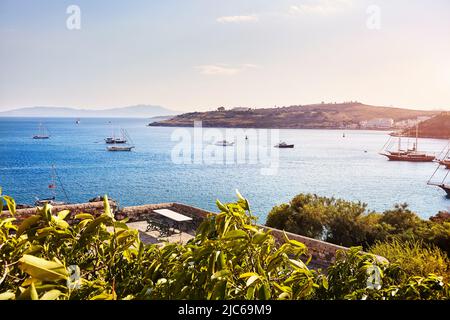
point(323, 162)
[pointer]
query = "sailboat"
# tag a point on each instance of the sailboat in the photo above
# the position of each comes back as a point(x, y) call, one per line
point(117, 140)
point(443, 184)
point(42, 133)
point(410, 155)
point(125, 138)
point(53, 187)
point(444, 157)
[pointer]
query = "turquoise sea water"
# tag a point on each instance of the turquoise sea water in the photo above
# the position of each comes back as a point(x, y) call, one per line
point(322, 162)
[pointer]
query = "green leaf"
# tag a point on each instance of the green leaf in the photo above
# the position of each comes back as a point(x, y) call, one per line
point(264, 292)
point(27, 224)
point(297, 263)
point(63, 214)
point(259, 238)
point(221, 206)
point(11, 204)
point(107, 207)
point(219, 290)
point(8, 295)
point(42, 269)
point(51, 295)
point(220, 274)
point(83, 216)
point(251, 280)
point(235, 234)
point(247, 275)
point(239, 195)
point(33, 293)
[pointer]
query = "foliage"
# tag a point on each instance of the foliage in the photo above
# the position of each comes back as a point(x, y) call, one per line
point(414, 257)
point(359, 276)
point(350, 224)
point(46, 258)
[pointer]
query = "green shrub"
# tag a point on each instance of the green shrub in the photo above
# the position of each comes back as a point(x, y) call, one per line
point(45, 258)
point(350, 224)
point(414, 257)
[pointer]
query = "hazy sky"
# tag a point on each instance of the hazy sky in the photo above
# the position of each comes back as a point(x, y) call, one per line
point(201, 54)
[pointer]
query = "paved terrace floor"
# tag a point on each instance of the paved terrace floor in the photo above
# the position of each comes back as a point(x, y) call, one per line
point(153, 237)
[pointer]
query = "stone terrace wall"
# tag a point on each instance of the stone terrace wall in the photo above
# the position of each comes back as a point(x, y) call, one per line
point(94, 208)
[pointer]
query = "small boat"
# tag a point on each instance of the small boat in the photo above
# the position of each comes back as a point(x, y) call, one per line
point(224, 143)
point(284, 145)
point(446, 188)
point(117, 140)
point(52, 186)
point(51, 201)
point(77, 121)
point(42, 133)
point(120, 148)
point(442, 183)
point(445, 162)
point(110, 140)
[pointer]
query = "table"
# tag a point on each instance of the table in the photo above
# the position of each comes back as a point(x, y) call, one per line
point(174, 216)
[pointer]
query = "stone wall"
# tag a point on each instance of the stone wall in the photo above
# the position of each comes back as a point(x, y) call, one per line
point(94, 208)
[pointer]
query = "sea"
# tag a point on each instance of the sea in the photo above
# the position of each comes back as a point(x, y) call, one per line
point(184, 165)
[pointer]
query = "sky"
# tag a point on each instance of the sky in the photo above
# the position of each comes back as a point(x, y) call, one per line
point(201, 54)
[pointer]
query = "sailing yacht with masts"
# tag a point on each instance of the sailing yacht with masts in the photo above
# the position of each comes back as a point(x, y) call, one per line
point(117, 140)
point(124, 145)
point(53, 187)
point(42, 133)
point(410, 155)
point(444, 157)
point(444, 184)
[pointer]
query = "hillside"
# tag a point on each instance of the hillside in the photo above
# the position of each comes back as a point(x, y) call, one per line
point(138, 111)
point(437, 127)
point(295, 117)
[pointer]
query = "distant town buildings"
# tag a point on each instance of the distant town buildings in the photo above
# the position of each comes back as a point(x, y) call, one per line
point(378, 123)
point(388, 123)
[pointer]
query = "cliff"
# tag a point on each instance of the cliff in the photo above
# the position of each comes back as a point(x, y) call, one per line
point(437, 127)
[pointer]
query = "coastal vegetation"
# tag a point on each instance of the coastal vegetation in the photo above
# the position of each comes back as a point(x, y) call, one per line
point(46, 257)
point(317, 116)
point(351, 224)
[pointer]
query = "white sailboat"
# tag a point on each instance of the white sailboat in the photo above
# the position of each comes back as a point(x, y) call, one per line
point(124, 145)
point(42, 133)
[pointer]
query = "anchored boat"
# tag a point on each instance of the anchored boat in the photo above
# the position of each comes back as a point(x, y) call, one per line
point(53, 187)
point(443, 184)
point(125, 147)
point(410, 155)
point(284, 145)
point(42, 133)
point(117, 140)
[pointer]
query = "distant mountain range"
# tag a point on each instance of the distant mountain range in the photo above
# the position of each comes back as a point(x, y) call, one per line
point(320, 116)
point(138, 111)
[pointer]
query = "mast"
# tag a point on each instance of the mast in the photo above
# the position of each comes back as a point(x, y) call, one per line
point(417, 136)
